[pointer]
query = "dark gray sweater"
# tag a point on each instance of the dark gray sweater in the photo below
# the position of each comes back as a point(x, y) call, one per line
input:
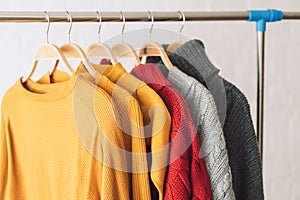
point(244, 157)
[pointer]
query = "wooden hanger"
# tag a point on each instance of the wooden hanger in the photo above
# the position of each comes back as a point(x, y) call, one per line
point(155, 49)
point(73, 50)
point(124, 49)
point(100, 49)
point(172, 47)
point(48, 51)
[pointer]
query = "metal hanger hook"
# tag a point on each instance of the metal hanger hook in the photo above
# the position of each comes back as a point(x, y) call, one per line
point(183, 23)
point(123, 26)
point(152, 24)
point(71, 25)
point(99, 17)
point(48, 26)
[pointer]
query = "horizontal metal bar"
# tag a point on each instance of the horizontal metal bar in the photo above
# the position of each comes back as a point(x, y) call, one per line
point(14, 16)
point(37, 16)
point(291, 15)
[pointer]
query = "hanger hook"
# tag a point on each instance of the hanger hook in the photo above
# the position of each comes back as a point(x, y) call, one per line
point(152, 24)
point(71, 24)
point(183, 23)
point(123, 26)
point(99, 17)
point(48, 26)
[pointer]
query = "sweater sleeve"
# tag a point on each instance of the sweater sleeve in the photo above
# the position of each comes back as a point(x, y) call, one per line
point(213, 145)
point(201, 184)
point(140, 179)
point(213, 148)
point(242, 147)
point(94, 111)
point(4, 157)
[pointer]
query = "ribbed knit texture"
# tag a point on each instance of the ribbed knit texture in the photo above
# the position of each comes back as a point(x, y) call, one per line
point(244, 158)
point(213, 145)
point(209, 75)
point(187, 176)
point(43, 150)
point(157, 122)
point(129, 118)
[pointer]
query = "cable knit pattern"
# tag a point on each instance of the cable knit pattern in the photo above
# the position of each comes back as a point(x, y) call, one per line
point(209, 75)
point(244, 157)
point(213, 145)
point(187, 176)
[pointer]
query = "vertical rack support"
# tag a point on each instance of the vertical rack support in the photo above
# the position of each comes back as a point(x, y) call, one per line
point(260, 40)
point(261, 17)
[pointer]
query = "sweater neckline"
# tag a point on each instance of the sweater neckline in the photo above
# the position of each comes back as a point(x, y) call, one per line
point(47, 92)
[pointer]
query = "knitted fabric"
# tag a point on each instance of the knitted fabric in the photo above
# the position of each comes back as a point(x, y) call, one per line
point(187, 177)
point(43, 147)
point(213, 145)
point(157, 122)
point(129, 118)
point(209, 75)
point(244, 157)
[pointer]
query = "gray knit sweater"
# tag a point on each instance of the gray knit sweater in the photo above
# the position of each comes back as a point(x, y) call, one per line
point(244, 158)
point(213, 146)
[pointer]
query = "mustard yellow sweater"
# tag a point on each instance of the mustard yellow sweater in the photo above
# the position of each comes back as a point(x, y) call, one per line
point(130, 120)
point(157, 120)
point(55, 143)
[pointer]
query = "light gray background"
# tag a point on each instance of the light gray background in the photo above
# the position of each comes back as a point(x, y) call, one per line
point(230, 45)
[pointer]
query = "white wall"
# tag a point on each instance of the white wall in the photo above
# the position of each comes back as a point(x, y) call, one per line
point(230, 45)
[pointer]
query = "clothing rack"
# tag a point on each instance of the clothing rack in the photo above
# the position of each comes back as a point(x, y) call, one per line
point(261, 17)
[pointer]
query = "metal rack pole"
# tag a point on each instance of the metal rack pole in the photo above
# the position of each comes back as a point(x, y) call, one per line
point(7, 16)
point(36, 16)
point(260, 89)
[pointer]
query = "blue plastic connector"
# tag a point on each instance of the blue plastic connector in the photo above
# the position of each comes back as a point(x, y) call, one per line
point(261, 17)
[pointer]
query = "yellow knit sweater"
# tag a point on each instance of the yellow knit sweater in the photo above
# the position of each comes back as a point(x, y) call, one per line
point(54, 143)
point(157, 120)
point(130, 119)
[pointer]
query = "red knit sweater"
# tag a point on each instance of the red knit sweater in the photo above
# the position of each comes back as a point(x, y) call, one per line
point(187, 177)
